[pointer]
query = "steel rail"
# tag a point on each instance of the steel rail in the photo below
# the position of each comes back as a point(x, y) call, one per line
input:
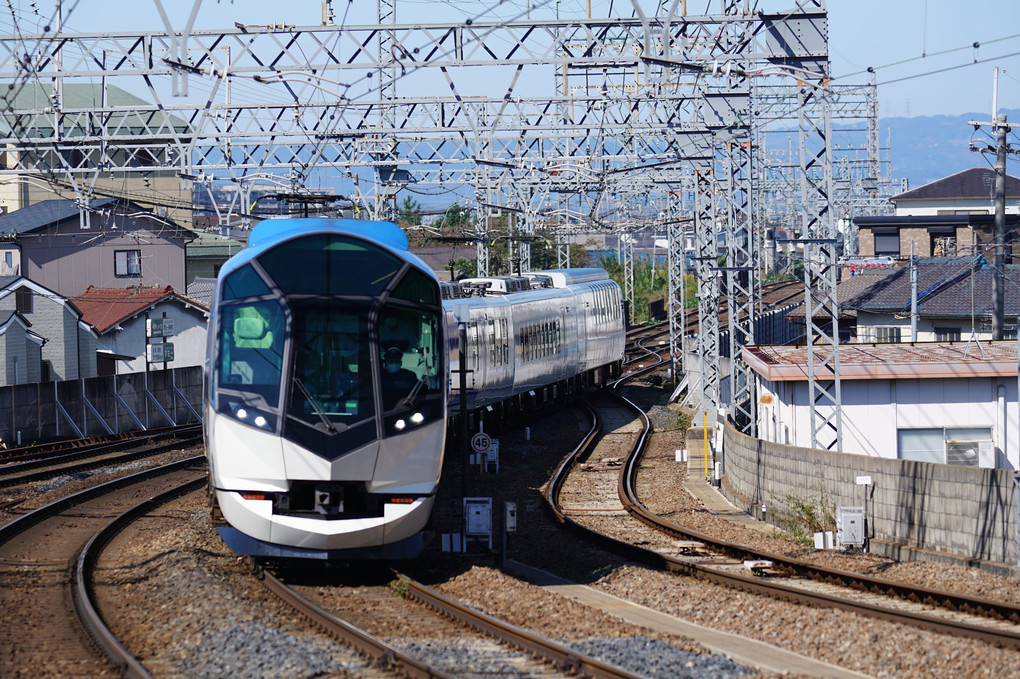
point(653, 559)
point(47, 468)
point(26, 521)
point(83, 587)
point(561, 656)
point(949, 600)
point(54, 449)
point(89, 619)
point(349, 634)
point(751, 584)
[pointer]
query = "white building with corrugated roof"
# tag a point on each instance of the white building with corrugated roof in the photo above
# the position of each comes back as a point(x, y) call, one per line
point(942, 402)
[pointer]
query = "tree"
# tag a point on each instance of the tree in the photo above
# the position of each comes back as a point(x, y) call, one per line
point(455, 218)
point(410, 212)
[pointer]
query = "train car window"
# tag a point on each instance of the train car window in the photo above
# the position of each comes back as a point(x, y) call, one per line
point(493, 349)
point(505, 342)
point(472, 333)
point(328, 264)
point(250, 361)
point(244, 283)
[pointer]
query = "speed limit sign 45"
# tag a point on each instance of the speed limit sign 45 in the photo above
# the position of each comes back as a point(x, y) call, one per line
point(480, 442)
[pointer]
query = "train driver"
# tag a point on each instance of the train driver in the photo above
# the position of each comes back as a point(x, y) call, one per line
point(398, 382)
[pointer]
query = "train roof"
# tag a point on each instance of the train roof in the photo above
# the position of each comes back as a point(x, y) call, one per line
point(561, 278)
point(534, 280)
point(271, 232)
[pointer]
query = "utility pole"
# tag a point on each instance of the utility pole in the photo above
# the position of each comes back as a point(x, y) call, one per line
point(913, 294)
point(1001, 128)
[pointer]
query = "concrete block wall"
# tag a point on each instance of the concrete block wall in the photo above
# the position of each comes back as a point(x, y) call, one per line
point(915, 510)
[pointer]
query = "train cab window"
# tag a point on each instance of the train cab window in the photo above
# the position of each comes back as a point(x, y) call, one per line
point(250, 361)
point(332, 366)
point(411, 360)
point(330, 264)
point(243, 283)
point(416, 287)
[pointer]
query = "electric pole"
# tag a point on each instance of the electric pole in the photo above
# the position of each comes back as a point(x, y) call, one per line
point(1001, 128)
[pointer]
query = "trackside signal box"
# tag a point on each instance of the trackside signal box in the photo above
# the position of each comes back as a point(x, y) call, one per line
point(478, 519)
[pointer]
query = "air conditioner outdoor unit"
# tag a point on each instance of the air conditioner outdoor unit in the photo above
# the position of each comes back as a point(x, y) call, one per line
point(973, 453)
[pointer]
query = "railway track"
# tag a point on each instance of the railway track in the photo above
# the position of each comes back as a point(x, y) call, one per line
point(50, 623)
point(73, 457)
point(679, 549)
point(419, 632)
point(774, 295)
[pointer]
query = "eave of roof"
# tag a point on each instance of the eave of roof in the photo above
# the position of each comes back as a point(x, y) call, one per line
point(921, 360)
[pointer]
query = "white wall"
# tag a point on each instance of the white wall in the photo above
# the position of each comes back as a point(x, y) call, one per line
point(867, 321)
point(932, 207)
point(189, 338)
point(873, 410)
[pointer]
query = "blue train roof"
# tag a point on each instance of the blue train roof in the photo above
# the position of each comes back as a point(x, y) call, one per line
point(271, 231)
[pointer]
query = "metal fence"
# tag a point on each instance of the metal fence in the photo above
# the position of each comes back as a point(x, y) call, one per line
point(98, 406)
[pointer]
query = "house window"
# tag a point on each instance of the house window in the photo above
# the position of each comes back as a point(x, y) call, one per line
point(887, 334)
point(968, 446)
point(887, 243)
point(127, 263)
point(947, 334)
point(943, 246)
point(9, 258)
point(23, 300)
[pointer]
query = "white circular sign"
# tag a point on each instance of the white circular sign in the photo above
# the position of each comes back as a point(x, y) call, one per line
point(480, 442)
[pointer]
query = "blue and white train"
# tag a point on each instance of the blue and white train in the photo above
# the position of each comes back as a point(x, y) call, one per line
point(333, 358)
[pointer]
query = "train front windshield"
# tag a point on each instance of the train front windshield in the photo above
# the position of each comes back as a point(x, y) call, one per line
point(361, 358)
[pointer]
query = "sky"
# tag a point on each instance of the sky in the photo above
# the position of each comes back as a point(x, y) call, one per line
point(934, 41)
point(922, 50)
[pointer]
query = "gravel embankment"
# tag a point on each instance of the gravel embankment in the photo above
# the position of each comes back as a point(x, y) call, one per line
point(191, 608)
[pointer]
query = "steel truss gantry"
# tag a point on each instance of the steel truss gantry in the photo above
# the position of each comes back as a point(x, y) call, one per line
point(626, 95)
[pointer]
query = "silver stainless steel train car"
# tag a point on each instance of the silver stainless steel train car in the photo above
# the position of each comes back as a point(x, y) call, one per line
point(331, 353)
point(315, 448)
point(541, 335)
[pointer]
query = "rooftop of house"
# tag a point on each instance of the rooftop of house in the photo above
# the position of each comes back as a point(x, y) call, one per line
point(45, 213)
point(916, 360)
point(977, 183)
point(126, 118)
point(848, 289)
point(104, 308)
point(201, 289)
point(949, 287)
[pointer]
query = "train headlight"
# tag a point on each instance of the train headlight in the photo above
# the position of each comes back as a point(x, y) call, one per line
point(252, 417)
point(417, 418)
point(400, 425)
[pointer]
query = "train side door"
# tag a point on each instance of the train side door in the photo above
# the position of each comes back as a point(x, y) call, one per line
point(561, 339)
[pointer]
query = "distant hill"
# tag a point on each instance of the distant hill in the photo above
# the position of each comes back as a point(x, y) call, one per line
point(927, 148)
